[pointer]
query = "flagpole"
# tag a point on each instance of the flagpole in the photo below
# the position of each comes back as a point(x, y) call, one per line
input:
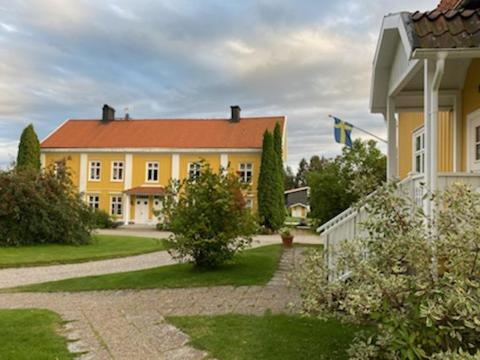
point(365, 131)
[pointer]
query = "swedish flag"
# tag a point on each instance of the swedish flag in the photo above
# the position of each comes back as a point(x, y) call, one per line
point(343, 131)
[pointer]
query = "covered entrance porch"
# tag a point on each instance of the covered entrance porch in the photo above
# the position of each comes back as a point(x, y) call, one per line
point(141, 203)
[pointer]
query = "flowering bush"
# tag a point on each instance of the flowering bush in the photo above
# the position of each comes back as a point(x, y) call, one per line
point(41, 207)
point(416, 279)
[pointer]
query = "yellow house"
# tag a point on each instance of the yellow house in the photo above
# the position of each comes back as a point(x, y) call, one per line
point(426, 83)
point(123, 165)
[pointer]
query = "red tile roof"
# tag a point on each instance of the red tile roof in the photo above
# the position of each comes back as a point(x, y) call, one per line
point(451, 29)
point(446, 5)
point(145, 190)
point(162, 133)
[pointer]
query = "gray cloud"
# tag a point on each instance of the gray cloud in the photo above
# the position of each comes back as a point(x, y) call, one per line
point(304, 59)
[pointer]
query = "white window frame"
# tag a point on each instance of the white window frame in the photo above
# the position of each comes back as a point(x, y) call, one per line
point(116, 205)
point(147, 169)
point(98, 166)
point(93, 204)
point(117, 165)
point(197, 170)
point(418, 133)
point(244, 177)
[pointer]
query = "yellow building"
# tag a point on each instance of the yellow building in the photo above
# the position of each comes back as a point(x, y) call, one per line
point(123, 166)
point(426, 83)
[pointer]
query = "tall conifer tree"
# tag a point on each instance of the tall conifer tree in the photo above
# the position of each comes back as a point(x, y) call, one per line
point(28, 156)
point(280, 183)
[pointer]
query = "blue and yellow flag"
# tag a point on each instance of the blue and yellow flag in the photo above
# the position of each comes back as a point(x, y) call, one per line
point(343, 131)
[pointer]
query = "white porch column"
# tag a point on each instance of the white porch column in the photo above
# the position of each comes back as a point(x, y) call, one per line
point(429, 73)
point(392, 156)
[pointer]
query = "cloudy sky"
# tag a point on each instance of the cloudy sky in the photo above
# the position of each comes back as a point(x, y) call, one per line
point(166, 58)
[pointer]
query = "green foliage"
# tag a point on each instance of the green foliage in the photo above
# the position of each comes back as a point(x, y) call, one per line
point(28, 150)
point(302, 172)
point(40, 208)
point(101, 219)
point(208, 217)
point(270, 186)
point(420, 282)
point(341, 182)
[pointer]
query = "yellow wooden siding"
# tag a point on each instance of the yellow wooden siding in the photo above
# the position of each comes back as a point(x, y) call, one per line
point(139, 169)
point(72, 162)
point(408, 123)
point(471, 102)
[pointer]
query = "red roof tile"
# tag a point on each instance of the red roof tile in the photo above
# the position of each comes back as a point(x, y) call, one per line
point(162, 133)
point(446, 5)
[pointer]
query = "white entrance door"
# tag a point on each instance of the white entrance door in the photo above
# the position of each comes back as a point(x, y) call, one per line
point(141, 210)
point(474, 142)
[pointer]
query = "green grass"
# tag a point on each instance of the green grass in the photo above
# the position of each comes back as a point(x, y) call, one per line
point(31, 334)
point(267, 337)
point(253, 267)
point(102, 247)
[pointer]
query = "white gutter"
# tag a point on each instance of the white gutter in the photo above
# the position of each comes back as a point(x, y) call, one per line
point(464, 53)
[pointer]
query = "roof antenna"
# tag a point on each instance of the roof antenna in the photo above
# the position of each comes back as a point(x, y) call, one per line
point(127, 115)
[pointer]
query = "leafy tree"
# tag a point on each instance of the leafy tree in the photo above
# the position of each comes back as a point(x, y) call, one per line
point(28, 150)
point(421, 309)
point(340, 183)
point(41, 207)
point(302, 172)
point(271, 216)
point(289, 178)
point(317, 163)
point(208, 218)
point(280, 183)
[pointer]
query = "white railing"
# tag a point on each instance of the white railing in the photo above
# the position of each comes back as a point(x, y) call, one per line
point(347, 225)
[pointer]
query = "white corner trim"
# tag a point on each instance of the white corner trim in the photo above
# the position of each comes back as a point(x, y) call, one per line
point(128, 171)
point(42, 160)
point(82, 183)
point(175, 167)
point(224, 161)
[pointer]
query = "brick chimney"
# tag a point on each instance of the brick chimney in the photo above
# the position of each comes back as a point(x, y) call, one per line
point(108, 113)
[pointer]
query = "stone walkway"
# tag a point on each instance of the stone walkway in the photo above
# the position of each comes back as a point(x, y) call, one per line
point(131, 324)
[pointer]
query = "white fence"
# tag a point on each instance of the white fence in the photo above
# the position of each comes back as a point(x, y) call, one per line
point(347, 225)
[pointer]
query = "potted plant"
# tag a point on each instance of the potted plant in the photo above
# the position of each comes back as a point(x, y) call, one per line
point(287, 237)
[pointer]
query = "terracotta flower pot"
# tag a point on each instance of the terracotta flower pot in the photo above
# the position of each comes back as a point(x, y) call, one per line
point(287, 241)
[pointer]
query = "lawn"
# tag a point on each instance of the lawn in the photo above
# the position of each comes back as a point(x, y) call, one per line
point(31, 334)
point(253, 267)
point(102, 247)
point(267, 337)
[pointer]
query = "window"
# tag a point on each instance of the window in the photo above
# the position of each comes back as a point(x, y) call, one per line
point(59, 168)
point(246, 172)
point(95, 167)
point(94, 201)
point(419, 151)
point(477, 143)
point(117, 170)
point(116, 205)
point(152, 171)
point(194, 170)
